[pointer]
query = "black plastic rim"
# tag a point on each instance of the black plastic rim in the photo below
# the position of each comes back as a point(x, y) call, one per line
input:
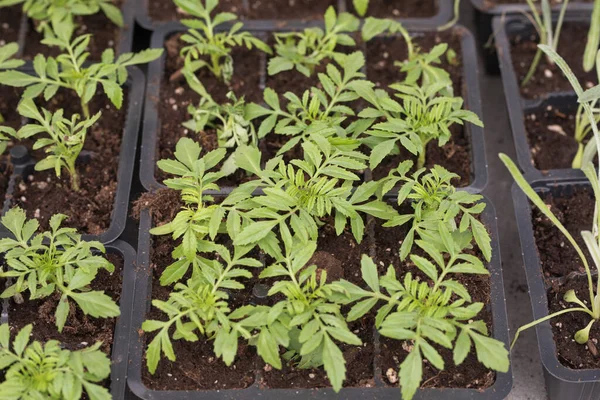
point(121, 335)
point(499, 390)
point(518, 106)
point(501, 9)
point(471, 94)
point(444, 14)
point(560, 380)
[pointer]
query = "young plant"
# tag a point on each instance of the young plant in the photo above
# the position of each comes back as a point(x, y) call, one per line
point(548, 34)
point(307, 49)
point(57, 261)
point(204, 39)
point(68, 70)
point(583, 127)
point(435, 311)
point(308, 322)
point(200, 308)
point(199, 218)
point(420, 67)
point(63, 138)
point(435, 202)
point(422, 115)
point(591, 305)
point(229, 120)
point(53, 12)
point(593, 39)
point(299, 194)
point(319, 110)
point(47, 371)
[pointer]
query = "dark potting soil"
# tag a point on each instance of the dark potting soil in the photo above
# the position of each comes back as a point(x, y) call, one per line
point(575, 210)
point(43, 194)
point(9, 99)
point(550, 133)
point(80, 330)
point(381, 55)
point(10, 23)
point(399, 9)
point(570, 353)
point(105, 34)
point(548, 78)
point(471, 373)
point(176, 96)
point(159, 10)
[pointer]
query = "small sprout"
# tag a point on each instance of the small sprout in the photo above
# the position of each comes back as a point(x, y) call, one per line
point(307, 49)
point(56, 261)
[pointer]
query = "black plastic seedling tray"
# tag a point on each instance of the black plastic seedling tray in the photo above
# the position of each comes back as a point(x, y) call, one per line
point(23, 164)
point(518, 107)
point(125, 33)
point(561, 382)
point(121, 336)
point(444, 14)
point(499, 390)
point(151, 124)
point(485, 13)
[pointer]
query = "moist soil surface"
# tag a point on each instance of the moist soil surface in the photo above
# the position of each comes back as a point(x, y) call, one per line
point(398, 9)
point(159, 10)
point(43, 194)
point(80, 331)
point(10, 23)
point(575, 210)
point(570, 353)
point(470, 374)
point(550, 133)
point(9, 99)
point(548, 78)
point(381, 56)
point(105, 34)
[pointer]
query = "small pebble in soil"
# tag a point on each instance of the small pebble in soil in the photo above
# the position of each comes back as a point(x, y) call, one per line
point(23, 199)
point(548, 73)
point(268, 367)
point(36, 213)
point(311, 376)
point(22, 186)
point(392, 375)
point(179, 91)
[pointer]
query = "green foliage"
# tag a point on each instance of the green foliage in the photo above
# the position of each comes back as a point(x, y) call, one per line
point(436, 205)
point(548, 33)
point(441, 313)
point(307, 49)
point(68, 70)
point(361, 6)
point(46, 371)
point(321, 111)
point(422, 114)
point(63, 12)
point(309, 320)
point(593, 40)
point(298, 195)
point(6, 53)
point(229, 120)
point(199, 308)
point(57, 261)
point(63, 138)
point(420, 67)
point(204, 39)
point(199, 218)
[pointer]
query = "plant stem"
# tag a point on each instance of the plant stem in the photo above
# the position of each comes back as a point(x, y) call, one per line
point(532, 67)
point(86, 109)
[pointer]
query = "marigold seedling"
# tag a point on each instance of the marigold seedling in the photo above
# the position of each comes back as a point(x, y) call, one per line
point(56, 261)
point(307, 49)
point(47, 371)
point(205, 39)
point(63, 138)
point(69, 71)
